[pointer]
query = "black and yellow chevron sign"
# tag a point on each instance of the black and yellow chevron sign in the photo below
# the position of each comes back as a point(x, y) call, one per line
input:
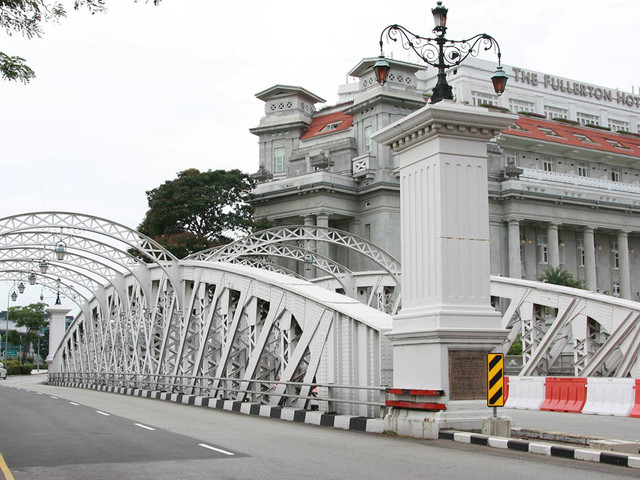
point(495, 380)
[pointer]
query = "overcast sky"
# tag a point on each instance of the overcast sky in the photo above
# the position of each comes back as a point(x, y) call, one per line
point(124, 100)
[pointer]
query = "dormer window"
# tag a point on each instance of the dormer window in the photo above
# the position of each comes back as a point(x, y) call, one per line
point(330, 127)
point(548, 132)
point(583, 138)
point(616, 144)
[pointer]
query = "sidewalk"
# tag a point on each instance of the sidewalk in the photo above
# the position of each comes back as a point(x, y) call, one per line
point(621, 428)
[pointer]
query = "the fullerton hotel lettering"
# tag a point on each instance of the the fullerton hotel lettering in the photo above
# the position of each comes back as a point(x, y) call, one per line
point(575, 88)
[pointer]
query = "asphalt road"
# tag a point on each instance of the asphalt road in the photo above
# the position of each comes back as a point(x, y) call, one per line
point(63, 433)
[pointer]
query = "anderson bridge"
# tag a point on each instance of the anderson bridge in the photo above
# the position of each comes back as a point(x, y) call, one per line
point(231, 323)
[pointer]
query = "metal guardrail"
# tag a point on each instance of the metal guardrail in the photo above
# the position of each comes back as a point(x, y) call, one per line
point(322, 397)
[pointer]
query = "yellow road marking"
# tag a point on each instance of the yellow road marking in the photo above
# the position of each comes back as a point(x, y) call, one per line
point(5, 469)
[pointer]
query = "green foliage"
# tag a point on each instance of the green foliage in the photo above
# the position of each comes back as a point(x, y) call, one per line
point(199, 210)
point(516, 347)
point(15, 368)
point(559, 276)
point(26, 17)
point(32, 317)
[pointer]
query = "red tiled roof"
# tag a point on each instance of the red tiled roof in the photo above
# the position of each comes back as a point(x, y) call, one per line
point(320, 122)
point(558, 132)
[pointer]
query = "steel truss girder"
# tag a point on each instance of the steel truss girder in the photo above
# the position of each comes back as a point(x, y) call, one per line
point(246, 327)
point(571, 314)
point(120, 236)
point(87, 223)
point(297, 233)
point(109, 256)
point(292, 252)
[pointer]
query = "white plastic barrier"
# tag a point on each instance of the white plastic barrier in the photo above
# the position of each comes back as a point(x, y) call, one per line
point(610, 396)
point(526, 392)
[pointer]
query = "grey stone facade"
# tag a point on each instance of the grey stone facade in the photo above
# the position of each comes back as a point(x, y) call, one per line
point(553, 200)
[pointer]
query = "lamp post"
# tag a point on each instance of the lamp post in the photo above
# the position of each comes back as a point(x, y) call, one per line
point(440, 52)
point(11, 295)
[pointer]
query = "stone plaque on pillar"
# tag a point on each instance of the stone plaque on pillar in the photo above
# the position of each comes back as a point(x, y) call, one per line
point(467, 375)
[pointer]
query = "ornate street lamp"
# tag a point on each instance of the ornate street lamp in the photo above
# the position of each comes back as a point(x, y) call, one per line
point(43, 265)
point(21, 288)
point(14, 295)
point(32, 278)
point(308, 261)
point(440, 52)
point(61, 250)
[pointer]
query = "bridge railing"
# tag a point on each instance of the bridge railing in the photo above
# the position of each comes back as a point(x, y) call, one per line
point(321, 397)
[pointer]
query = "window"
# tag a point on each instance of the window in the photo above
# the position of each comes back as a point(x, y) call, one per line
point(619, 125)
point(580, 243)
point(367, 139)
point(615, 257)
point(588, 119)
point(615, 175)
point(617, 144)
point(367, 231)
point(543, 249)
point(547, 164)
point(330, 126)
point(278, 160)
point(554, 112)
point(548, 132)
point(616, 289)
point(583, 138)
point(479, 98)
point(583, 170)
point(521, 106)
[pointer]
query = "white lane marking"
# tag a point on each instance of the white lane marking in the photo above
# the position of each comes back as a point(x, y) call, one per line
point(204, 445)
point(74, 403)
point(39, 393)
point(55, 398)
point(144, 426)
point(103, 413)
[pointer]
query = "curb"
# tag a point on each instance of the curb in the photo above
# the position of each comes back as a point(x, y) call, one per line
point(345, 422)
point(586, 454)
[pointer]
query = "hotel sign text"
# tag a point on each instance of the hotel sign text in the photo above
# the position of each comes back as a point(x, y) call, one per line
point(576, 88)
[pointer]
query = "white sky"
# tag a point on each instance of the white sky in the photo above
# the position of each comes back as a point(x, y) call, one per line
point(122, 101)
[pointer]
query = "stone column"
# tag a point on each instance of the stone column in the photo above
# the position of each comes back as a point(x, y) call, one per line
point(553, 246)
point(515, 262)
point(57, 327)
point(322, 220)
point(446, 316)
point(624, 267)
point(309, 269)
point(590, 259)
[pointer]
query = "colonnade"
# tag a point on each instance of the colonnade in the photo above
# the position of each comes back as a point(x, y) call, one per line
point(553, 244)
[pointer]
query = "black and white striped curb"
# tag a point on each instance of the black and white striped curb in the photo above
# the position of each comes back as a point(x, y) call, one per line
point(586, 454)
point(346, 422)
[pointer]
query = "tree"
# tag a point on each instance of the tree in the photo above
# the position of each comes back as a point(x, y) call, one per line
point(27, 18)
point(32, 318)
point(559, 276)
point(200, 210)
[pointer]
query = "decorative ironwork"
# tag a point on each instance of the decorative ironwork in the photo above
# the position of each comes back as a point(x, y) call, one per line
point(440, 52)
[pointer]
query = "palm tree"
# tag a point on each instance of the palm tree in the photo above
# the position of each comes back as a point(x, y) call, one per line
point(559, 276)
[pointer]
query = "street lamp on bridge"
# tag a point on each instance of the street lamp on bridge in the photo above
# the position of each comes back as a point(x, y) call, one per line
point(11, 295)
point(440, 52)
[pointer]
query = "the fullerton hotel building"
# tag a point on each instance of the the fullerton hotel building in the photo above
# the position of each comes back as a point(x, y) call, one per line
point(564, 181)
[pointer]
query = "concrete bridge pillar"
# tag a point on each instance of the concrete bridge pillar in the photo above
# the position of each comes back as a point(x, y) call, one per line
point(447, 325)
point(57, 323)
